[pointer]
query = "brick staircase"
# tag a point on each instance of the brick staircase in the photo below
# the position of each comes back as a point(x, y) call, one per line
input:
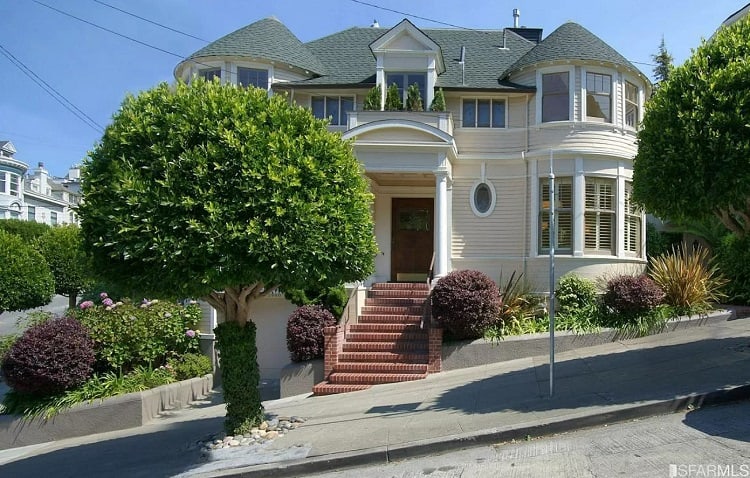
point(387, 344)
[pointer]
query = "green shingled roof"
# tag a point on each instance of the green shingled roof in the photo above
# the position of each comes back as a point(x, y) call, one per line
point(268, 39)
point(571, 42)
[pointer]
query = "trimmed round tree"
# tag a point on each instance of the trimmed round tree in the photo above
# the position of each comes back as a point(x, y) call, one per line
point(694, 147)
point(465, 303)
point(224, 193)
point(25, 278)
point(63, 250)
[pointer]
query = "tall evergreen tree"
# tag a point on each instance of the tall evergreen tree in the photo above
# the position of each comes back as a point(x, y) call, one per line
point(663, 61)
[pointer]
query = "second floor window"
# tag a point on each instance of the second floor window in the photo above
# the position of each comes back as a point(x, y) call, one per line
point(632, 114)
point(404, 80)
point(252, 77)
point(556, 97)
point(481, 113)
point(53, 218)
point(15, 181)
point(31, 213)
point(3, 183)
point(598, 97)
point(209, 74)
point(334, 108)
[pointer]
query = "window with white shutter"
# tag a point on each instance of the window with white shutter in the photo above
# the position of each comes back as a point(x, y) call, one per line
point(563, 215)
point(599, 216)
point(633, 223)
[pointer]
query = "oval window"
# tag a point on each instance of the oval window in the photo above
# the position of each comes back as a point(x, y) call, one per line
point(483, 198)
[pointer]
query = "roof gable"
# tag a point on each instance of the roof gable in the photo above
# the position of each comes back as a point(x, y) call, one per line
point(8, 147)
point(405, 37)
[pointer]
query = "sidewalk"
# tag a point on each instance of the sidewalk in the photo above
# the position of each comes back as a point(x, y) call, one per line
point(480, 405)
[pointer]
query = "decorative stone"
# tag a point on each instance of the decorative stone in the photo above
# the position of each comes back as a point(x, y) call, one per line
point(262, 433)
point(263, 425)
point(271, 435)
point(234, 443)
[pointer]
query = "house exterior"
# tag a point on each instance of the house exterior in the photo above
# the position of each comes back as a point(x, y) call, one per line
point(467, 188)
point(35, 195)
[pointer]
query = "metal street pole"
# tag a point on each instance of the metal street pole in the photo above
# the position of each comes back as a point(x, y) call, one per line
point(552, 241)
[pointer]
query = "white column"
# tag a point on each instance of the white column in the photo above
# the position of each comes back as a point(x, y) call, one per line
point(579, 209)
point(441, 223)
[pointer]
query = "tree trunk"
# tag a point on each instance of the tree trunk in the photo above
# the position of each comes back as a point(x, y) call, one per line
point(72, 301)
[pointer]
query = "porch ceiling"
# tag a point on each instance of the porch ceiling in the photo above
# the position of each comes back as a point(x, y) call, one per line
point(402, 179)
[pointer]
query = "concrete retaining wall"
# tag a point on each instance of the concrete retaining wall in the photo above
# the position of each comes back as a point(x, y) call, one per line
point(481, 352)
point(299, 378)
point(114, 413)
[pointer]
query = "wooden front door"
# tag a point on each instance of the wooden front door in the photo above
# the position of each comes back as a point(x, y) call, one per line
point(412, 238)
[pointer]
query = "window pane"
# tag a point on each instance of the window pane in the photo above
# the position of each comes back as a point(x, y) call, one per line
point(14, 180)
point(421, 80)
point(598, 97)
point(31, 213)
point(3, 186)
point(498, 114)
point(555, 97)
point(252, 77)
point(482, 198)
point(483, 113)
point(398, 79)
point(469, 114)
point(563, 214)
point(347, 106)
point(318, 107)
point(332, 109)
point(631, 105)
point(210, 73)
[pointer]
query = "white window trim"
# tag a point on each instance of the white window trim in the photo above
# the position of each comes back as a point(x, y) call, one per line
point(613, 76)
point(484, 97)
point(639, 97)
point(571, 91)
point(234, 78)
point(493, 194)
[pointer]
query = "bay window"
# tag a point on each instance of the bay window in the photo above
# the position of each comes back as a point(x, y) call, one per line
point(632, 113)
point(563, 215)
point(598, 97)
point(209, 74)
point(252, 77)
point(599, 216)
point(556, 96)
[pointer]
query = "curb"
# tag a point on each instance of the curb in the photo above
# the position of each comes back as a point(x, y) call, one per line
point(384, 455)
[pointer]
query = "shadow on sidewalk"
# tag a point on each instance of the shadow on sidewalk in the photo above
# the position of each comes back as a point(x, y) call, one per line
point(658, 373)
point(731, 421)
point(166, 452)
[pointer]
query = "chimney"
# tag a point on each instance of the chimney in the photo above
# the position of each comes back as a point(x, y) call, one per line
point(516, 16)
point(375, 24)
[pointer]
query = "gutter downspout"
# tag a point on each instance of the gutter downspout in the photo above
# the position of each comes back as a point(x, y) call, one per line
point(526, 225)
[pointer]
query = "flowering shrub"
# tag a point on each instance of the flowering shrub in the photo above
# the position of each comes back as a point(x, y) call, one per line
point(466, 302)
point(127, 335)
point(304, 332)
point(50, 357)
point(189, 366)
point(628, 295)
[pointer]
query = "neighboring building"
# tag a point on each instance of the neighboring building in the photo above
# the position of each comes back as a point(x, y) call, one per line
point(742, 12)
point(469, 184)
point(36, 196)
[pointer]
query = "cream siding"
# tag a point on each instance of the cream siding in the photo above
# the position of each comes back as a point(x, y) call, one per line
point(402, 161)
point(577, 97)
point(490, 140)
point(593, 138)
point(517, 111)
point(283, 75)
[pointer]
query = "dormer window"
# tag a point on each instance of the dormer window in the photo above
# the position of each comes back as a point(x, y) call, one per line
point(209, 74)
point(598, 97)
point(252, 77)
point(405, 80)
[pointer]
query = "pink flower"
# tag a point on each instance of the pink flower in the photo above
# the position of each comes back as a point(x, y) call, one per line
point(108, 302)
point(190, 333)
point(103, 295)
point(86, 304)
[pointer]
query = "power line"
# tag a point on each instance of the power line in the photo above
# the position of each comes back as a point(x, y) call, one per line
point(59, 97)
point(181, 57)
point(432, 20)
point(151, 21)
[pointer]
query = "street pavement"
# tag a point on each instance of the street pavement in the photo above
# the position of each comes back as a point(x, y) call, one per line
point(690, 443)
point(478, 406)
point(9, 320)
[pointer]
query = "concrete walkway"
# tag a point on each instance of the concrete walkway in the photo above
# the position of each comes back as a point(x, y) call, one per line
point(499, 402)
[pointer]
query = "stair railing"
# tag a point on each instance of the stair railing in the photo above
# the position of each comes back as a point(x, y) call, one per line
point(349, 314)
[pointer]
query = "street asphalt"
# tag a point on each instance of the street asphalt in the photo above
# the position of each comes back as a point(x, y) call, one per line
point(660, 374)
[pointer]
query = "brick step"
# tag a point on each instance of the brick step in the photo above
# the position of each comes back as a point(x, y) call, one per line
point(391, 310)
point(325, 388)
point(390, 357)
point(399, 293)
point(372, 378)
point(380, 367)
point(393, 319)
point(400, 286)
point(386, 326)
point(394, 302)
point(394, 337)
point(420, 347)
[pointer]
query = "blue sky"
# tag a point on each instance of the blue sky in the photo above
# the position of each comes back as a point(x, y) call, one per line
point(95, 69)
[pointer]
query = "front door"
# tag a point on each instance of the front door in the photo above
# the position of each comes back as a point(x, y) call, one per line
point(412, 238)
